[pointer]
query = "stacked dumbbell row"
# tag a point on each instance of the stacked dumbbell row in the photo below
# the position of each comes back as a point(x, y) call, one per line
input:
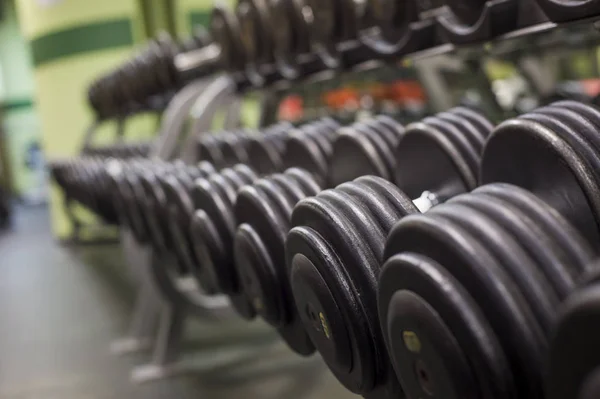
point(148, 76)
point(466, 304)
point(263, 41)
point(83, 180)
point(460, 300)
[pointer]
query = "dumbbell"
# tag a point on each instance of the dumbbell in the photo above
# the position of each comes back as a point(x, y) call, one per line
point(476, 21)
point(250, 269)
point(481, 276)
point(124, 177)
point(575, 350)
point(393, 28)
point(565, 11)
point(307, 147)
point(83, 180)
point(184, 197)
point(335, 247)
point(271, 149)
point(148, 74)
point(365, 148)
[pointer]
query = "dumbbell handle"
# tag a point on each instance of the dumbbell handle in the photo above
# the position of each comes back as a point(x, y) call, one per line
point(200, 62)
point(426, 201)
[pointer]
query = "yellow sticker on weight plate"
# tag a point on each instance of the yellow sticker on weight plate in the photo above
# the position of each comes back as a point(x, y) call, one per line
point(324, 325)
point(412, 341)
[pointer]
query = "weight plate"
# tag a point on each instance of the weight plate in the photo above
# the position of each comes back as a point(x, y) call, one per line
point(384, 25)
point(562, 11)
point(257, 28)
point(428, 352)
point(573, 190)
point(461, 253)
point(326, 30)
point(355, 155)
point(552, 255)
point(225, 30)
point(473, 21)
point(502, 244)
point(575, 348)
point(440, 167)
point(303, 152)
point(290, 39)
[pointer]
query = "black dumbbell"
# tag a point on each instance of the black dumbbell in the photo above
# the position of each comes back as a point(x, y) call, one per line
point(575, 348)
point(335, 249)
point(481, 276)
point(365, 148)
point(276, 150)
point(564, 11)
point(476, 21)
point(393, 28)
point(311, 147)
point(262, 215)
point(212, 228)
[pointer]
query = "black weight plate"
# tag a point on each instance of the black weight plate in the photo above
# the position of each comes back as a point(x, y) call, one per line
point(258, 275)
point(257, 25)
point(569, 10)
point(354, 155)
point(138, 224)
point(382, 210)
point(264, 156)
point(289, 40)
point(573, 189)
point(391, 130)
point(550, 221)
point(384, 26)
point(329, 309)
point(377, 135)
point(537, 290)
point(305, 180)
point(441, 345)
point(426, 160)
point(396, 197)
point(468, 12)
point(575, 346)
point(362, 221)
point(483, 125)
point(548, 254)
point(208, 248)
point(469, 153)
point(486, 281)
point(579, 132)
point(469, 130)
point(208, 150)
point(225, 30)
point(232, 148)
point(324, 30)
point(323, 135)
point(304, 153)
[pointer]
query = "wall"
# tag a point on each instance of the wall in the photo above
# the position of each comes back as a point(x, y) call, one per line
point(73, 42)
point(19, 119)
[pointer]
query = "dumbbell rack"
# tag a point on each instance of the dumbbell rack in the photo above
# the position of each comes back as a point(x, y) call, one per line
point(155, 323)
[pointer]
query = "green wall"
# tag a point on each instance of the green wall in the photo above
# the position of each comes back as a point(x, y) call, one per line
point(73, 42)
point(19, 119)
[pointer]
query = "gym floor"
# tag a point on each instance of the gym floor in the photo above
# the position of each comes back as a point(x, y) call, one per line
point(60, 308)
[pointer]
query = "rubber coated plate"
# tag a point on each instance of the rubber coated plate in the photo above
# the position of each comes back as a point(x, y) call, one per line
point(432, 326)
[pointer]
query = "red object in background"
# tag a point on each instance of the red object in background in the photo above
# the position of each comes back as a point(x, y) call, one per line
point(407, 91)
point(341, 98)
point(591, 87)
point(291, 108)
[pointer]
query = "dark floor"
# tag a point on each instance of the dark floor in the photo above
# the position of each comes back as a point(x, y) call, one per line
point(61, 308)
